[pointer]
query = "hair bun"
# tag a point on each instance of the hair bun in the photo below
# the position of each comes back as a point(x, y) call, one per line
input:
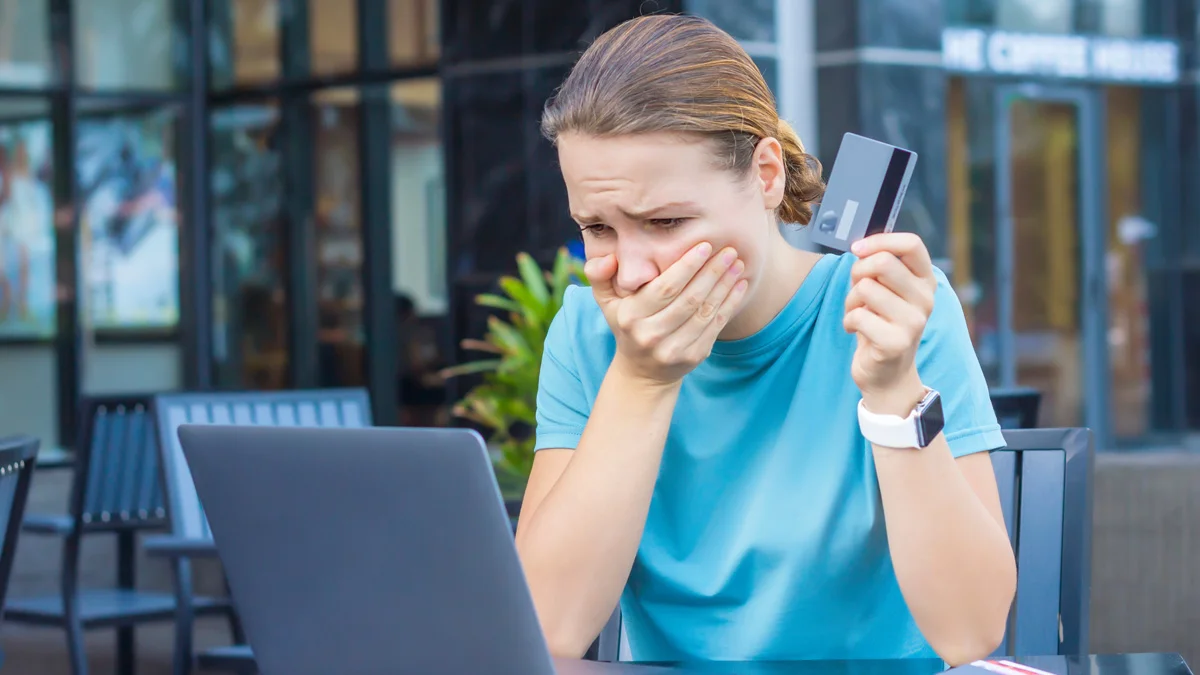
point(804, 184)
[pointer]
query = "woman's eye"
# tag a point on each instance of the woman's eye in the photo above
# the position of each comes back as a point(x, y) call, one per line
point(596, 230)
point(667, 223)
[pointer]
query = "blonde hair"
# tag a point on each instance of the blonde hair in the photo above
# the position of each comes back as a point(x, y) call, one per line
point(671, 73)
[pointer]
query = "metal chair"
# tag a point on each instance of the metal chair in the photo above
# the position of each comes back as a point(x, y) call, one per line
point(1045, 482)
point(1016, 407)
point(17, 461)
point(190, 536)
point(115, 491)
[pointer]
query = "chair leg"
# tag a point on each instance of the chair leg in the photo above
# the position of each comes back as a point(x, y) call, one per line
point(126, 579)
point(183, 645)
point(184, 617)
point(125, 650)
point(235, 622)
point(75, 647)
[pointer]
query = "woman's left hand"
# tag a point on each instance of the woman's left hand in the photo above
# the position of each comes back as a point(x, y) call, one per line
point(889, 303)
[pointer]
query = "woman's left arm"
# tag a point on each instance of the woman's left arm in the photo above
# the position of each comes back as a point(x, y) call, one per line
point(946, 532)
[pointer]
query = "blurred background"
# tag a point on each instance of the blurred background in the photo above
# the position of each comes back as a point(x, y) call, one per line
point(281, 194)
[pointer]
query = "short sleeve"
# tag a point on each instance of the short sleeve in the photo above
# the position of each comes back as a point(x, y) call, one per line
point(947, 362)
point(562, 406)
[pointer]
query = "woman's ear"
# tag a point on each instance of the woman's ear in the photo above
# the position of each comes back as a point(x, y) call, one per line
point(770, 172)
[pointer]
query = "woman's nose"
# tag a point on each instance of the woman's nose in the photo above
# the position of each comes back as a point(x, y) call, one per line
point(634, 271)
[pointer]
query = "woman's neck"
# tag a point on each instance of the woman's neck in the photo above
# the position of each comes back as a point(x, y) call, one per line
point(785, 269)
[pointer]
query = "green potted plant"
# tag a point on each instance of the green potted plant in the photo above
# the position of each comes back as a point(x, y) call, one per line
point(503, 402)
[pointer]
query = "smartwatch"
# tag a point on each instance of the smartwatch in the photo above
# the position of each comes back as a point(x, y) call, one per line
point(917, 430)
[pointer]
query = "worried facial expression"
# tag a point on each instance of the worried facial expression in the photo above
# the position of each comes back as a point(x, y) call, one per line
point(648, 198)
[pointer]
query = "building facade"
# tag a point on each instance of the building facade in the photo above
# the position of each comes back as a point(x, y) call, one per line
point(1055, 181)
point(302, 193)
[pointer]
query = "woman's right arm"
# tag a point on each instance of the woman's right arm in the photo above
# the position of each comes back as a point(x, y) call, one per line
point(584, 509)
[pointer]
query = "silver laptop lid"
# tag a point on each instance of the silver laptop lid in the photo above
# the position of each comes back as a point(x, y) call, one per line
point(377, 550)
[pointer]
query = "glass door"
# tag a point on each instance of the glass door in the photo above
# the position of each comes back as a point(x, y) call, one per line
point(1050, 244)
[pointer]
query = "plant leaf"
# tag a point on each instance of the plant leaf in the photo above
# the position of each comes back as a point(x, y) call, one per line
point(492, 300)
point(473, 367)
point(534, 278)
point(508, 338)
point(530, 306)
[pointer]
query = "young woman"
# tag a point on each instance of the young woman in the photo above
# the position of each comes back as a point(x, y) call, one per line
point(727, 425)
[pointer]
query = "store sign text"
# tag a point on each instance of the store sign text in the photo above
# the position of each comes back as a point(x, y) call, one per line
point(1079, 57)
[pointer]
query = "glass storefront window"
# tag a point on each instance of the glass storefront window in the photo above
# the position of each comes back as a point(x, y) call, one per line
point(129, 216)
point(1046, 141)
point(333, 41)
point(413, 31)
point(1126, 264)
point(25, 59)
point(1118, 18)
point(419, 251)
point(250, 317)
point(1040, 16)
point(244, 42)
point(27, 241)
point(746, 21)
point(337, 188)
point(127, 44)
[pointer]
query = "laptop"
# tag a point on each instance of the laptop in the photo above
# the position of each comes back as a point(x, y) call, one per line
point(375, 550)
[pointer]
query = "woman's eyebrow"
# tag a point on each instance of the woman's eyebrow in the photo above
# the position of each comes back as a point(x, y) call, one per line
point(637, 214)
point(585, 218)
point(646, 214)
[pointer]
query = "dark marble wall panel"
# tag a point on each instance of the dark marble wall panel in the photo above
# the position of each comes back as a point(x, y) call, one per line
point(487, 196)
point(558, 26)
point(901, 24)
point(480, 30)
point(905, 106)
point(837, 25)
point(838, 105)
point(549, 213)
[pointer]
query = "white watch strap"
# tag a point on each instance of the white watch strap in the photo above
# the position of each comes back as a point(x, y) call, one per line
point(889, 431)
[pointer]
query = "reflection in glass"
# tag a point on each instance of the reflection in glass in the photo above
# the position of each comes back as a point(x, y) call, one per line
point(1039, 16)
point(419, 251)
point(27, 302)
point(337, 188)
point(25, 43)
point(746, 21)
point(1121, 18)
point(126, 44)
point(129, 219)
point(1047, 256)
point(333, 36)
point(413, 31)
point(250, 324)
point(244, 47)
point(1129, 234)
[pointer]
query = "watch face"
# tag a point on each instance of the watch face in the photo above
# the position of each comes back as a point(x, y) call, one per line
point(930, 418)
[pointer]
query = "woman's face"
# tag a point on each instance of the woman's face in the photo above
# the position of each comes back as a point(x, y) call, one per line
point(649, 198)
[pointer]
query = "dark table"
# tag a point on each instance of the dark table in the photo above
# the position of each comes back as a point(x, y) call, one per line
point(1106, 664)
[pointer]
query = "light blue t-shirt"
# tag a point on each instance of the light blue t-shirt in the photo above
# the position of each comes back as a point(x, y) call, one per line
point(765, 536)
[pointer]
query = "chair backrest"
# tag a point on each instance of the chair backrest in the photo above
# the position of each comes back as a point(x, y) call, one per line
point(305, 408)
point(1045, 482)
point(18, 456)
point(1016, 407)
point(116, 465)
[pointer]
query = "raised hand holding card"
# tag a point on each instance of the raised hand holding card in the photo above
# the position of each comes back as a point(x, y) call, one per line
point(863, 195)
